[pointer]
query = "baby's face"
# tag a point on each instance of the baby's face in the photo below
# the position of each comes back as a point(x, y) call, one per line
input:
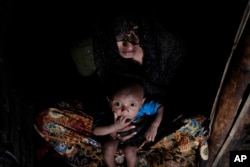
point(127, 103)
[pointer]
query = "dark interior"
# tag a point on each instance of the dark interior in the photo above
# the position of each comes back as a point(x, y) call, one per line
point(36, 66)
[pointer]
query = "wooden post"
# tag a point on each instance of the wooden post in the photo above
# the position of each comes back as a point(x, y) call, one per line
point(233, 89)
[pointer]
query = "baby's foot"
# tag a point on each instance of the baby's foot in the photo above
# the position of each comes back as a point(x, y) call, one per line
point(119, 159)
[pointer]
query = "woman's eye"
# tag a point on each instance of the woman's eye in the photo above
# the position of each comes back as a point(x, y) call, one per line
point(119, 37)
point(136, 31)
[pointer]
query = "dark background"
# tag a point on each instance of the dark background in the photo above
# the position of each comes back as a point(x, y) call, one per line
point(39, 36)
point(36, 66)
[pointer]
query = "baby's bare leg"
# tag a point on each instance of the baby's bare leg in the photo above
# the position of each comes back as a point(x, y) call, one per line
point(130, 153)
point(109, 149)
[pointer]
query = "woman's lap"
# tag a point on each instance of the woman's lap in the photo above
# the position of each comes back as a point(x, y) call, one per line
point(68, 130)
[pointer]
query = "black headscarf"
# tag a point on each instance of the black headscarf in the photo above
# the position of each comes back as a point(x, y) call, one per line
point(163, 51)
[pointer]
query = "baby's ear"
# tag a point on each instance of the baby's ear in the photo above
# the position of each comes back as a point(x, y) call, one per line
point(143, 100)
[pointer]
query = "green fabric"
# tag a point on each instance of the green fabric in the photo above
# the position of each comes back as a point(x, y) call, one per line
point(82, 54)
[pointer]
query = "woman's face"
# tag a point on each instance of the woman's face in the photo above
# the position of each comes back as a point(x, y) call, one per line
point(128, 45)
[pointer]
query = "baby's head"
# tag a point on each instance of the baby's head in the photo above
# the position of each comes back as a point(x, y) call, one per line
point(126, 96)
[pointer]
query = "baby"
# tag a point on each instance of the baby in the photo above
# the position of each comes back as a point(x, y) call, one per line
point(128, 103)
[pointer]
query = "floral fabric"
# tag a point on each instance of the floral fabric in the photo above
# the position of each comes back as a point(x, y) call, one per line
point(68, 131)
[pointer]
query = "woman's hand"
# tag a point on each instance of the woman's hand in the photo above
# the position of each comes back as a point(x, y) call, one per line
point(128, 136)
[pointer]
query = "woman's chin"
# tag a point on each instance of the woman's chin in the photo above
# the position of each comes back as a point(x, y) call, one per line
point(128, 55)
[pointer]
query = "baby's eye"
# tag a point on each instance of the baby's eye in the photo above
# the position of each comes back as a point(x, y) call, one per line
point(117, 104)
point(132, 105)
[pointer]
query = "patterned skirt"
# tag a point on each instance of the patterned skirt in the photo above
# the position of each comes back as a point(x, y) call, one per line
point(69, 131)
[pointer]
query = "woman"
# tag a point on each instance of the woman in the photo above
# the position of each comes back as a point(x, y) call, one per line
point(136, 45)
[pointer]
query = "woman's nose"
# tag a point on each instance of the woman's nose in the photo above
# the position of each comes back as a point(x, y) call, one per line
point(127, 44)
point(130, 38)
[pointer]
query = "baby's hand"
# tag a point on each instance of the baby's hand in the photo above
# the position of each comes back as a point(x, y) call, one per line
point(151, 133)
point(121, 122)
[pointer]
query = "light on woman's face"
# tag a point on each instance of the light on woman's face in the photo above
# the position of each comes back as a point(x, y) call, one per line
point(127, 49)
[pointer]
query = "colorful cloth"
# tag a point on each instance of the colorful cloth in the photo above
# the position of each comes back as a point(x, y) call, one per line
point(69, 132)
